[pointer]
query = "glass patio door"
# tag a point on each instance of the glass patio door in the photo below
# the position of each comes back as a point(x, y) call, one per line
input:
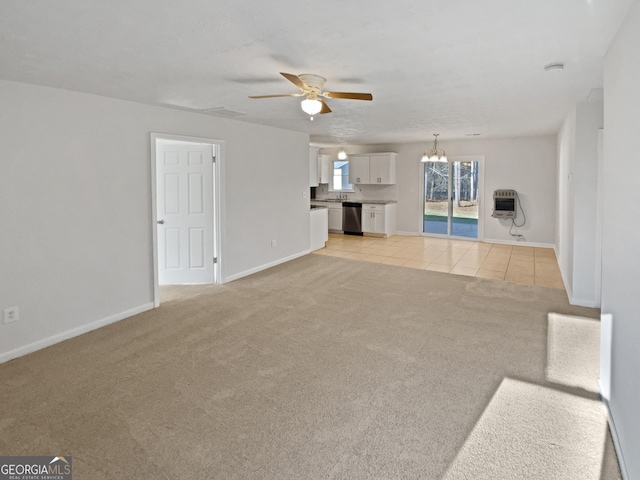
point(451, 198)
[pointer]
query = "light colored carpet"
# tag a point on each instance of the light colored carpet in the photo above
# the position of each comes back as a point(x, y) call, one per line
point(319, 368)
point(529, 431)
point(573, 351)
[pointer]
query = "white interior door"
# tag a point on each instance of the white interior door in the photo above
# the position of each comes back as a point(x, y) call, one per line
point(184, 175)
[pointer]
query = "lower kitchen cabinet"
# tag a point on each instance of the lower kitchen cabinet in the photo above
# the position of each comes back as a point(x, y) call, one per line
point(335, 218)
point(379, 219)
point(319, 232)
point(372, 221)
point(334, 214)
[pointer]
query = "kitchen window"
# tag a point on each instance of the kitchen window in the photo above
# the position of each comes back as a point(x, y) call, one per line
point(340, 177)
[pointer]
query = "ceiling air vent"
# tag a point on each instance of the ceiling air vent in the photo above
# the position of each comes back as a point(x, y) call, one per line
point(223, 112)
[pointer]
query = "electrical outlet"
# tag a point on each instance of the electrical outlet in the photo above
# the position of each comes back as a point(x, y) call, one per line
point(304, 194)
point(273, 244)
point(11, 314)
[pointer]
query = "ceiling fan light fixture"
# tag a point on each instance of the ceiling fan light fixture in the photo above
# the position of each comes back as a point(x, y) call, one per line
point(311, 86)
point(311, 106)
point(342, 155)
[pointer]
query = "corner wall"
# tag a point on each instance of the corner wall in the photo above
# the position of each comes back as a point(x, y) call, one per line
point(577, 242)
point(621, 234)
point(566, 159)
point(75, 206)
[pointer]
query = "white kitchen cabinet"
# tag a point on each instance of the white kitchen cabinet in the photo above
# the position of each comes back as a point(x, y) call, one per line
point(373, 219)
point(319, 231)
point(325, 169)
point(313, 166)
point(382, 168)
point(334, 212)
point(335, 217)
point(373, 169)
point(358, 169)
point(379, 220)
point(367, 222)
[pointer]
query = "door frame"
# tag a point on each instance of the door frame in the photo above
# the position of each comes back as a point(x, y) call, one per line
point(458, 158)
point(218, 206)
point(599, 202)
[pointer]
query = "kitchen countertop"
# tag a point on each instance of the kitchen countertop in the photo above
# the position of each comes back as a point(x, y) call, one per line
point(371, 202)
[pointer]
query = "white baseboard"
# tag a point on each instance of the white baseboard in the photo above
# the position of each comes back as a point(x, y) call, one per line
point(74, 332)
point(567, 287)
point(616, 440)
point(487, 240)
point(581, 302)
point(251, 271)
point(515, 242)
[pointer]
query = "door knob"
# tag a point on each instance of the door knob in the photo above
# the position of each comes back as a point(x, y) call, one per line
point(160, 222)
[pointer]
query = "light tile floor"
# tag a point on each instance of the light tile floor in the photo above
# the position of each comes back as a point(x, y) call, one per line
point(519, 264)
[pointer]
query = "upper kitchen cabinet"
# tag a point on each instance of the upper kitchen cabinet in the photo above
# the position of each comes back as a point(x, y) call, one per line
point(325, 169)
point(358, 169)
point(382, 168)
point(373, 169)
point(313, 166)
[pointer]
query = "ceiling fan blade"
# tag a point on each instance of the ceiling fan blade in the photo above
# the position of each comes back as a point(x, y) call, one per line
point(349, 95)
point(325, 108)
point(274, 96)
point(295, 80)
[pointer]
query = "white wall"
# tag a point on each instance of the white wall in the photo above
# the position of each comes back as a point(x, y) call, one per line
point(75, 205)
point(565, 164)
point(589, 120)
point(526, 164)
point(576, 241)
point(621, 232)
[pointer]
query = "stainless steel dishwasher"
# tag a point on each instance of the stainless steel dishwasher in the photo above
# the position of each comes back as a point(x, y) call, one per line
point(352, 218)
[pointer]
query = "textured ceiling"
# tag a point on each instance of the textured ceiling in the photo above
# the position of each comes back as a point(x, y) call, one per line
point(455, 67)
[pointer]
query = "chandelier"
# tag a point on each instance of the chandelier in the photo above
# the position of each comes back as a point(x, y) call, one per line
point(435, 155)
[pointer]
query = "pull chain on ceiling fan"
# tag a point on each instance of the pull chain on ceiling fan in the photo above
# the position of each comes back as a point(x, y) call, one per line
point(311, 86)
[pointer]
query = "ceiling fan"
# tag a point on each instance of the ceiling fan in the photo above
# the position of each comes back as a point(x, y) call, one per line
point(311, 87)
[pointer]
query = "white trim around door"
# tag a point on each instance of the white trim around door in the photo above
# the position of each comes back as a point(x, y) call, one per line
point(218, 200)
point(460, 158)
